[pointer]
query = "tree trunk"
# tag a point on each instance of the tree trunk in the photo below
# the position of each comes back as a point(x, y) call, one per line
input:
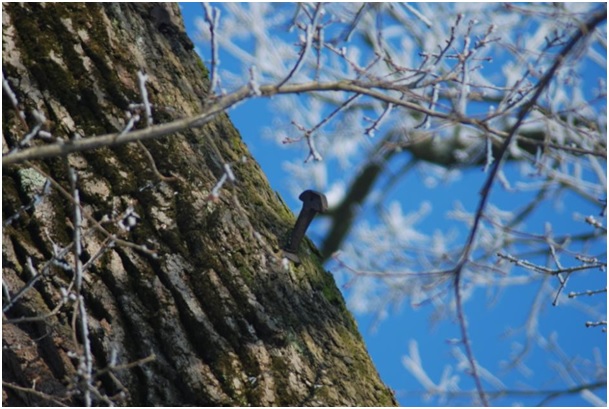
point(187, 299)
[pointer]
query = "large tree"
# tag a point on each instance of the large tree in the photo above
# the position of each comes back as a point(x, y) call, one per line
point(141, 245)
point(463, 149)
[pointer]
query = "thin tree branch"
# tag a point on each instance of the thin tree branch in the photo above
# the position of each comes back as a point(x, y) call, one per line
point(34, 392)
point(212, 16)
point(222, 103)
point(309, 34)
point(85, 367)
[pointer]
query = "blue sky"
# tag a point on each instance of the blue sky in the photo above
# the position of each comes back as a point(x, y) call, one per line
point(388, 341)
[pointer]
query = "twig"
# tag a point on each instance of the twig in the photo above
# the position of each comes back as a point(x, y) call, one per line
point(153, 166)
point(346, 34)
point(85, 367)
point(591, 220)
point(595, 323)
point(34, 392)
point(546, 270)
point(37, 318)
point(516, 392)
point(571, 391)
point(35, 277)
point(212, 16)
point(35, 131)
point(372, 128)
point(6, 87)
point(132, 119)
point(573, 294)
point(124, 367)
point(417, 14)
point(308, 133)
point(141, 80)
point(434, 99)
point(309, 32)
point(450, 40)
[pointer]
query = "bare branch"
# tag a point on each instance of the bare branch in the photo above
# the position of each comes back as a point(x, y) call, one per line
point(141, 80)
point(212, 17)
point(85, 367)
point(583, 32)
point(34, 392)
point(308, 39)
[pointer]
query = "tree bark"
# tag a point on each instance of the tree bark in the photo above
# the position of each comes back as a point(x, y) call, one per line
point(191, 305)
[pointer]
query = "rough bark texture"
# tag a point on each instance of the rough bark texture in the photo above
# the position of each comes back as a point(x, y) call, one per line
point(226, 322)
